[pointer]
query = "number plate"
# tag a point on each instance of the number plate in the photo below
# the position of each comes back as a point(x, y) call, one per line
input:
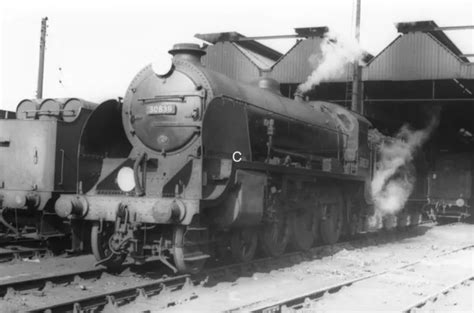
point(161, 109)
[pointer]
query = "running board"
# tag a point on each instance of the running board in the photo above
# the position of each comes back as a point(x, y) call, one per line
point(197, 257)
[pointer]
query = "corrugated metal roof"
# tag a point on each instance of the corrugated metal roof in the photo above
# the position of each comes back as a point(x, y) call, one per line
point(467, 71)
point(430, 27)
point(250, 45)
point(294, 66)
point(226, 58)
point(259, 60)
point(242, 60)
point(417, 56)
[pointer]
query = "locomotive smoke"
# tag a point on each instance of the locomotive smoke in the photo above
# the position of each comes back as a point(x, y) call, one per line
point(394, 179)
point(336, 53)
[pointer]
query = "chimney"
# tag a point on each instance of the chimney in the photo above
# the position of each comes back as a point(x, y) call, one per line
point(299, 96)
point(189, 52)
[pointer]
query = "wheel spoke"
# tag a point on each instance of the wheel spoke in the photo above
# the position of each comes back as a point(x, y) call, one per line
point(101, 249)
point(275, 235)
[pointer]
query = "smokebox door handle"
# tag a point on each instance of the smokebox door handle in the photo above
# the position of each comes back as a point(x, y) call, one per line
point(62, 167)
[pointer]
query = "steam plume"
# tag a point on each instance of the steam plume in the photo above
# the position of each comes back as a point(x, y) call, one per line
point(336, 52)
point(395, 177)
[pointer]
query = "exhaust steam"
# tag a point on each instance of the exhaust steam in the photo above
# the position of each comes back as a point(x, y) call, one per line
point(336, 52)
point(395, 176)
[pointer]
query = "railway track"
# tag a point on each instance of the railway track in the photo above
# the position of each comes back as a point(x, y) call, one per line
point(24, 248)
point(298, 302)
point(122, 296)
point(119, 297)
point(17, 252)
point(434, 296)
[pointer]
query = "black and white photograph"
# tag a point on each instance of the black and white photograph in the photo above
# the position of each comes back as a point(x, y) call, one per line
point(237, 156)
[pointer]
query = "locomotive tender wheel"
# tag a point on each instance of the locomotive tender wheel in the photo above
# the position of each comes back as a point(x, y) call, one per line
point(275, 236)
point(331, 224)
point(189, 249)
point(100, 246)
point(302, 230)
point(244, 244)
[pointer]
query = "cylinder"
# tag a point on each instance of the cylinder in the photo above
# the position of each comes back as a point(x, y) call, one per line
point(51, 109)
point(73, 108)
point(28, 109)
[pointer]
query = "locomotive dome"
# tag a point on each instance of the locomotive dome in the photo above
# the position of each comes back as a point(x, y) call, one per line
point(269, 84)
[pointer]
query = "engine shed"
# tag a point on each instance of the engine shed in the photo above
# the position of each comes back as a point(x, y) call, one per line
point(421, 66)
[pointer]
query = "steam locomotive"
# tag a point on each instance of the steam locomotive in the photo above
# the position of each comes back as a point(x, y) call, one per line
point(38, 163)
point(192, 158)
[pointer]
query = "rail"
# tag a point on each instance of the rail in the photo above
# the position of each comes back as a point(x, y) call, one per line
point(298, 301)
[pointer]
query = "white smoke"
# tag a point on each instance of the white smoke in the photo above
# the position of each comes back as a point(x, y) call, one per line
point(395, 176)
point(336, 53)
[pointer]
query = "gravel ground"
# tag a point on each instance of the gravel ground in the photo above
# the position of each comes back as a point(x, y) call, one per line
point(16, 270)
point(459, 299)
point(400, 289)
point(20, 301)
point(348, 263)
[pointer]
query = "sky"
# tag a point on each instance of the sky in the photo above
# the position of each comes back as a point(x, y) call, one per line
point(95, 48)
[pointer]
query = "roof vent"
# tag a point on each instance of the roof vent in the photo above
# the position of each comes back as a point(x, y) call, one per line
point(312, 31)
point(190, 52)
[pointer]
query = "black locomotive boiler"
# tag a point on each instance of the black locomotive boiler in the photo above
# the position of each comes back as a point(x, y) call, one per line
point(192, 157)
point(38, 162)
